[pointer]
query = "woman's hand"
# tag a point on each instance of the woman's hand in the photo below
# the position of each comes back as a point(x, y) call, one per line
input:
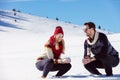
point(62, 60)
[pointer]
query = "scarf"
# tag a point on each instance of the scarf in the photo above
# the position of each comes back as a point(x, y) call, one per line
point(95, 39)
point(92, 43)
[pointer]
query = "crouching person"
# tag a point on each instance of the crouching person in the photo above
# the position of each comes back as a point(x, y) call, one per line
point(50, 60)
point(105, 56)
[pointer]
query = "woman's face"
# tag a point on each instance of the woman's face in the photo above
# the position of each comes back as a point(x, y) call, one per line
point(59, 37)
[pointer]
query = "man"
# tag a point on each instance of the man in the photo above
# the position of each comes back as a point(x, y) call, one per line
point(104, 55)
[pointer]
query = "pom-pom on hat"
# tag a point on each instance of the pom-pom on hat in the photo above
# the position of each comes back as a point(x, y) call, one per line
point(58, 29)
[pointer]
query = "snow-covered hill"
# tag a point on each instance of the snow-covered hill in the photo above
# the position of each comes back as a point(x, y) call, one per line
point(12, 21)
point(32, 23)
point(22, 37)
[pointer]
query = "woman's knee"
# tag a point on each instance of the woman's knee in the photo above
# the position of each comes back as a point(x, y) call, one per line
point(69, 65)
point(38, 66)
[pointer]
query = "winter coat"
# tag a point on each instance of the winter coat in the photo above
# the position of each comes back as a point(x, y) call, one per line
point(102, 48)
point(50, 51)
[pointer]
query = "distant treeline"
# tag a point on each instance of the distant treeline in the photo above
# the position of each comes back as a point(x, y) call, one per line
point(57, 19)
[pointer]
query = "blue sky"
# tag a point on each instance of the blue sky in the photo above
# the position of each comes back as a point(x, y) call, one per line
point(105, 13)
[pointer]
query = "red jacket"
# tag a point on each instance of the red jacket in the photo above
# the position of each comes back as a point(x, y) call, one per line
point(56, 52)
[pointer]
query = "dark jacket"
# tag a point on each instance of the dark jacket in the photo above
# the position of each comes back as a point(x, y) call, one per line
point(102, 48)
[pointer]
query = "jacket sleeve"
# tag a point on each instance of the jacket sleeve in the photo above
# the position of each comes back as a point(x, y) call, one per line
point(85, 48)
point(48, 44)
point(104, 48)
point(49, 53)
point(42, 56)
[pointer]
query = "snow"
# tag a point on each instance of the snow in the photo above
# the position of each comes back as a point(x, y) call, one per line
point(22, 41)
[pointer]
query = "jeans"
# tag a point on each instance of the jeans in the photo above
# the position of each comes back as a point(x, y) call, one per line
point(47, 65)
point(106, 63)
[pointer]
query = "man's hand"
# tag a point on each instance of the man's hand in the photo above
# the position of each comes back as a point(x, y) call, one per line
point(86, 60)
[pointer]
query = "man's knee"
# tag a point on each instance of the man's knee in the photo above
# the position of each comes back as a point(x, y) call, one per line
point(87, 66)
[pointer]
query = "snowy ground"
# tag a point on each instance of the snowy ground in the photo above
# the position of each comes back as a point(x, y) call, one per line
point(19, 51)
point(20, 48)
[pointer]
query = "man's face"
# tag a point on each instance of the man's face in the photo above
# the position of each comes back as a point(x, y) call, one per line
point(87, 30)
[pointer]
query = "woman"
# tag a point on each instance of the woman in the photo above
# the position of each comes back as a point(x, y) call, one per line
point(50, 60)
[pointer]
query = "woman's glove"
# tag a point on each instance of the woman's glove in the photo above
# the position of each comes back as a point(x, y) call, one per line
point(66, 60)
point(62, 60)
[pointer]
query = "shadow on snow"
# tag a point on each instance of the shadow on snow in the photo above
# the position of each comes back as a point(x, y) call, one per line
point(5, 24)
point(6, 14)
point(116, 76)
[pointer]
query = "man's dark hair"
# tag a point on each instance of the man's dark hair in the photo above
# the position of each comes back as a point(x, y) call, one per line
point(91, 25)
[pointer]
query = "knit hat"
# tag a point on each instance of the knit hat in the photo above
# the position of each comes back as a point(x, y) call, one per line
point(58, 29)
